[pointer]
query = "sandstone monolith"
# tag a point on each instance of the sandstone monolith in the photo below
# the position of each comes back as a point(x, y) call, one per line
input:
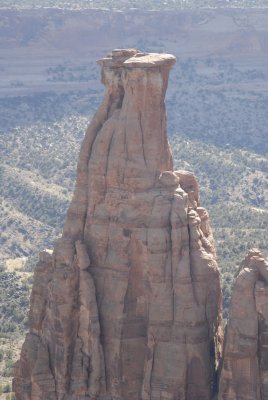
point(244, 374)
point(128, 306)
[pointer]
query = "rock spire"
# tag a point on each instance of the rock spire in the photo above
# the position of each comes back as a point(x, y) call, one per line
point(128, 306)
point(244, 374)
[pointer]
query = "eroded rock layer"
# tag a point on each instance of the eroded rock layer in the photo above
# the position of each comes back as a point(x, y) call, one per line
point(244, 374)
point(128, 306)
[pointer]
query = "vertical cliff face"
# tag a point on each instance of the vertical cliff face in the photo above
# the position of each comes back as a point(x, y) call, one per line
point(244, 374)
point(128, 306)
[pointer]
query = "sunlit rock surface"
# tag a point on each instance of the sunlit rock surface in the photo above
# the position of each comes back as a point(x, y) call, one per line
point(244, 374)
point(128, 306)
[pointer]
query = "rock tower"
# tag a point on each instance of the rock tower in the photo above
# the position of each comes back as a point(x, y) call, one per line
point(128, 306)
point(244, 373)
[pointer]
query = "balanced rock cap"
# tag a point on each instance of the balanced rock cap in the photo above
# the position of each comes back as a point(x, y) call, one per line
point(132, 58)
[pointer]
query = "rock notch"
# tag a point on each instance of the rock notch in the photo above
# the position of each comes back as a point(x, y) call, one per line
point(128, 307)
point(244, 374)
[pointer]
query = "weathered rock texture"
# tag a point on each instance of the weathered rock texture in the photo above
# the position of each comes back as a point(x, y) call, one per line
point(128, 307)
point(244, 374)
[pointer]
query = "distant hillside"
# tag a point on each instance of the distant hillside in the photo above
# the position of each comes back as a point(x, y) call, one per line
point(218, 92)
point(139, 4)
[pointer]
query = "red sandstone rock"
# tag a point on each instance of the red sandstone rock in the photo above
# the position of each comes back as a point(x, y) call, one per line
point(244, 374)
point(128, 307)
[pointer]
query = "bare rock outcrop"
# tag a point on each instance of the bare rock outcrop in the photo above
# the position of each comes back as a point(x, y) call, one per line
point(244, 374)
point(128, 306)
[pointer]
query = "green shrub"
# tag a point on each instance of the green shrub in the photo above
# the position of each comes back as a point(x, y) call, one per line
point(6, 388)
point(11, 396)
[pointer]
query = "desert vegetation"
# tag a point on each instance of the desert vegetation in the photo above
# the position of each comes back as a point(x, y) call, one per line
point(14, 305)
